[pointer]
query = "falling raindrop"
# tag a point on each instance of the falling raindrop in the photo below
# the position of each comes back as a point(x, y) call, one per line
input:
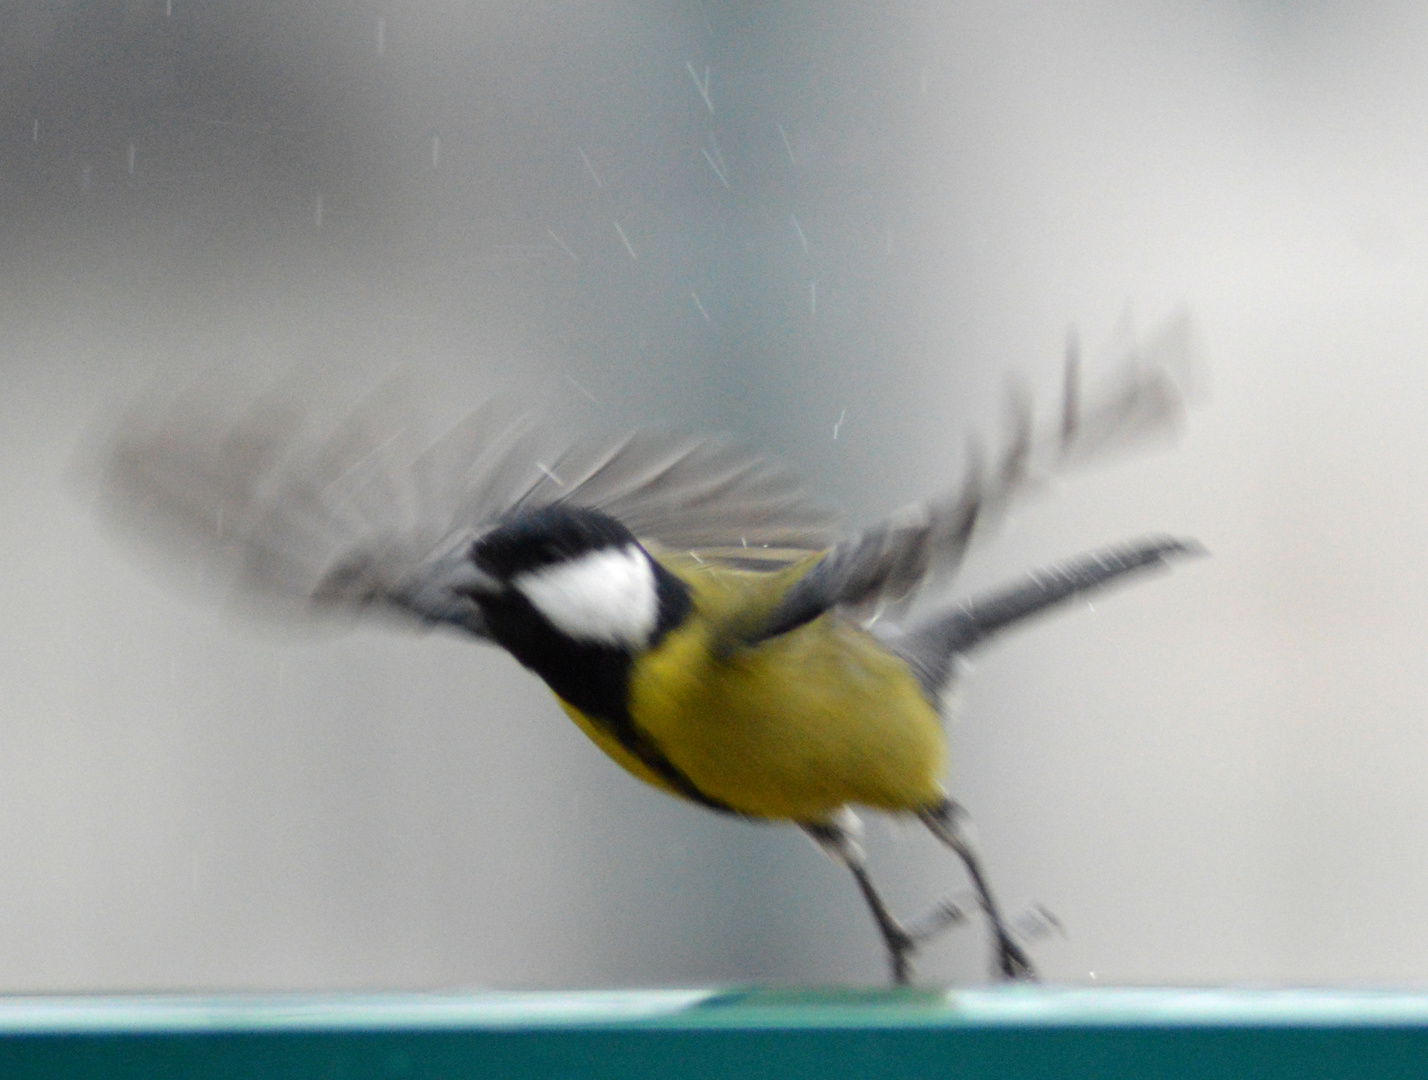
point(787, 146)
point(35, 135)
point(799, 229)
point(624, 239)
point(563, 246)
point(718, 154)
point(590, 168)
point(702, 87)
point(168, 8)
point(581, 387)
point(700, 305)
point(715, 166)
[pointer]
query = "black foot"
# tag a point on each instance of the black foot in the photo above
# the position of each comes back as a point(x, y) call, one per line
point(1014, 963)
point(944, 822)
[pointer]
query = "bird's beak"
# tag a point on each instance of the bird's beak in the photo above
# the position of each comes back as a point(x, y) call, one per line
point(471, 580)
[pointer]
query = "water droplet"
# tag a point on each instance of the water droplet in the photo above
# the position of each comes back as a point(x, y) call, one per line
point(590, 168)
point(803, 240)
point(702, 87)
point(624, 239)
point(788, 148)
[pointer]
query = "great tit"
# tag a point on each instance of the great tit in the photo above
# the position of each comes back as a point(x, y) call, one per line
point(688, 605)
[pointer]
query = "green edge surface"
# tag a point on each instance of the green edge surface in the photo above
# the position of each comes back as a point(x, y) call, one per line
point(1004, 1032)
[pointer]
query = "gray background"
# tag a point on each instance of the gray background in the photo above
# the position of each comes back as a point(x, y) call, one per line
point(1214, 777)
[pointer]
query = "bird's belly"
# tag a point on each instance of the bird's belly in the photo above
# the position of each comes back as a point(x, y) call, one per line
point(795, 728)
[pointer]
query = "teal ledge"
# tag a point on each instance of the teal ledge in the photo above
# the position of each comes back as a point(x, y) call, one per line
point(1004, 1032)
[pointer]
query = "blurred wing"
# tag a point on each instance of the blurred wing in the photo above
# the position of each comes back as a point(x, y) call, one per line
point(255, 506)
point(374, 517)
point(696, 494)
point(924, 544)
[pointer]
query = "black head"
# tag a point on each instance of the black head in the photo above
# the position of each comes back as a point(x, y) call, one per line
point(564, 578)
point(571, 594)
point(544, 537)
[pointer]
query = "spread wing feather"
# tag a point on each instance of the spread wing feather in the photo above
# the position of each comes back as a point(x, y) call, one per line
point(924, 544)
point(691, 493)
point(376, 516)
point(372, 516)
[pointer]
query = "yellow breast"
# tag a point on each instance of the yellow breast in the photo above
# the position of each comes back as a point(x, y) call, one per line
point(792, 728)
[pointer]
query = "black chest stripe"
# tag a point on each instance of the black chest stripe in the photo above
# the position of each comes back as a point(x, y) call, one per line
point(595, 678)
point(644, 749)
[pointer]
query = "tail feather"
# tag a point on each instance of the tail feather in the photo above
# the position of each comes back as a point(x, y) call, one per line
point(931, 647)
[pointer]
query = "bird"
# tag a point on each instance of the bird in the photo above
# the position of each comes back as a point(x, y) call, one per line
point(693, 610)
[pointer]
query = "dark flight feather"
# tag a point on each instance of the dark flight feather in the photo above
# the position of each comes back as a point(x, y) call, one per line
point(375, 516)
point(369, 517)
point(883, 568)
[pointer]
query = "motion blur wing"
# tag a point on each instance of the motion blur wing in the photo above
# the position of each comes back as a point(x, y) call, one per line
point(923, 545)
point(372, 516)
point(695, 494)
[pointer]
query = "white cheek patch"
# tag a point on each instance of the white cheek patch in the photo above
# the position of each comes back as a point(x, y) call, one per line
point(606, 596)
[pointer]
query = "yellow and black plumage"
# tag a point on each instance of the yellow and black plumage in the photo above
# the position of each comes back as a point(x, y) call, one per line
point(688, 605)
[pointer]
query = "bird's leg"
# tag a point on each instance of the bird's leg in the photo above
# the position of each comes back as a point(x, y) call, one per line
point(836, 838)
point(943, 821)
